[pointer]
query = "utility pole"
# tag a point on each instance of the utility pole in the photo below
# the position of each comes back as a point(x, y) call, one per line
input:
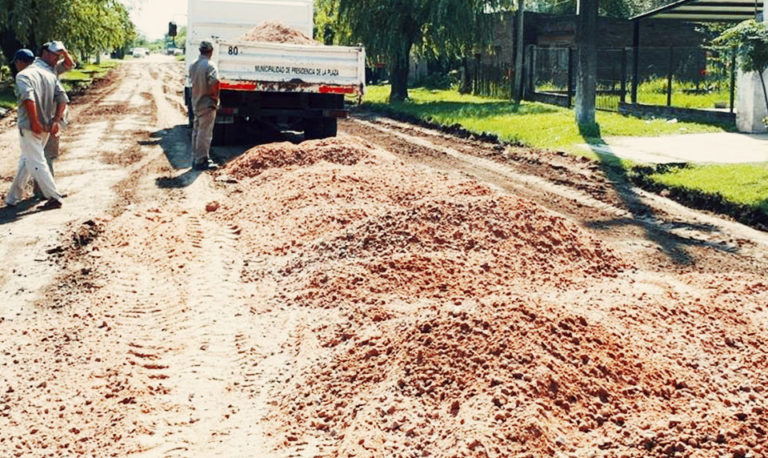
point(586, 72)
point(517, 96)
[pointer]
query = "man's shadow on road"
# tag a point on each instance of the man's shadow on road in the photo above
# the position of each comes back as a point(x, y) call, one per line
point(175, 143)
point(26, 207)
point(643, 215)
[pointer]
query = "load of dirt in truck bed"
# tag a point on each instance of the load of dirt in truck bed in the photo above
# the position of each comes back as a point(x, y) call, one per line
point(276, 32)
point(479, 322)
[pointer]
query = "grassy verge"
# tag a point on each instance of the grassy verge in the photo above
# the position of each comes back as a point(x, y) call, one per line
point(740, 190)
point(532, 124)
point(80, 78)
point(744, 184)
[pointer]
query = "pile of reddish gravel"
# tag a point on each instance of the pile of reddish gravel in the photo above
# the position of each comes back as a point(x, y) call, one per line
point(275, 155)
point(480, 324)
point(275, 32)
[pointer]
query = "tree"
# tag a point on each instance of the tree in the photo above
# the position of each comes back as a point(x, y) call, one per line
point(392, 29)
point(749, 40)
point(586, 69)
point(85, 26)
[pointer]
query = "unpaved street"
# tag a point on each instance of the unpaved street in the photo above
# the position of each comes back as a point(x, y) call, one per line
point(393, 292)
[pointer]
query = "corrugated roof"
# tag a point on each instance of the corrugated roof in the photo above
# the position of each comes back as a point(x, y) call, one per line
point(707, 10)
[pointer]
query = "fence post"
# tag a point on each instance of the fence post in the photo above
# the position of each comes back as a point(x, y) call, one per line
point(570, 76)
point(636, 59)
point(532, 69)
point(477, 74)
point(733, 79)
point(669, 77)
point(623, 75)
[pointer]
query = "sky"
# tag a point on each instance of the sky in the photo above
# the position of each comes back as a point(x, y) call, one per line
point(152, 16)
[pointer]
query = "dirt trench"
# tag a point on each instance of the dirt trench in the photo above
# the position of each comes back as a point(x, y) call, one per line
point(392, 292)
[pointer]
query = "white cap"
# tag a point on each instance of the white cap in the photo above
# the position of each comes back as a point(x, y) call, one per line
point(55, 47)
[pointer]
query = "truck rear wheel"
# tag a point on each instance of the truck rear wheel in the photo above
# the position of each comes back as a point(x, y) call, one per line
point(313, 129)
point(330, 127)
point(320, 128)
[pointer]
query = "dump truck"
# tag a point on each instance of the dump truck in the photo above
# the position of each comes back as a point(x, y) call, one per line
point(273, 85)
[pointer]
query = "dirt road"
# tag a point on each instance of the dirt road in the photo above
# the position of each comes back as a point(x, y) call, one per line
point(393, 292)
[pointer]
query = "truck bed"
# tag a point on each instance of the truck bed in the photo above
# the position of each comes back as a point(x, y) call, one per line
point(282, 67)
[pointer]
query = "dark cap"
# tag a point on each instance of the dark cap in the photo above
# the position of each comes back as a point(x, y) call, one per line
point(24, 55)
point(206, 46)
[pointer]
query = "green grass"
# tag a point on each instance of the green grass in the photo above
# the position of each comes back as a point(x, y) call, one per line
point(745, 184)
point(89, 72)
point(684, 95)
point(533, 124)
point(84, 76)
point(707, 96)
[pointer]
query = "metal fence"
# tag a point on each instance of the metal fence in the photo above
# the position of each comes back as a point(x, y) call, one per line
point(490, 79)
point(680, 77)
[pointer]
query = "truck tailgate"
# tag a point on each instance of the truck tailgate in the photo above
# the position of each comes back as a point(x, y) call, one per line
point(282, 67)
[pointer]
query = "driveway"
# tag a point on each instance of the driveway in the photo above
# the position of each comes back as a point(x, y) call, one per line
point(722, 148)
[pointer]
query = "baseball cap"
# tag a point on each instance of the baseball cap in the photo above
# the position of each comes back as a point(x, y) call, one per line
point(54, 46)
point(206, 46)
point(24, 55)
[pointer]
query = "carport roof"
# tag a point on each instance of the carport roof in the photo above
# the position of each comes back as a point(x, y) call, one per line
point(706, 10)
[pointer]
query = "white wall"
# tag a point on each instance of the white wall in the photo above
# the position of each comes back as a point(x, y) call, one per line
point(750, 106)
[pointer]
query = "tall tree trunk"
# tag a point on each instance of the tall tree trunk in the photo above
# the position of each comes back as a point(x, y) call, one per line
point(399, 69)
point(9, 45)
point(517, 95)
point(586, 74)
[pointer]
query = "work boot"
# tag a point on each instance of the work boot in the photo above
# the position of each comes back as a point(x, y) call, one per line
point(51, 204)
point(205, 164)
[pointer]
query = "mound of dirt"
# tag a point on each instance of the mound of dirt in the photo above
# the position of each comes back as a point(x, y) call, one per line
point(448, 248)
point(503, 376)
point(274, 155)
point(475, 323)
point(276, 32)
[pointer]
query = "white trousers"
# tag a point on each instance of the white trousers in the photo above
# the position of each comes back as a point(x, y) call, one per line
point(202, 134)
point(32, 165)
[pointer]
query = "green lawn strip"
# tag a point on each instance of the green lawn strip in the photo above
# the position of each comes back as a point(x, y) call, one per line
point(89, 72)
point(532, 124)
point(80, 78)
point(742, 184)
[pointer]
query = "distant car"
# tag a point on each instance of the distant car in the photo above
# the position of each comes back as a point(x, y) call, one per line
point(140, 52)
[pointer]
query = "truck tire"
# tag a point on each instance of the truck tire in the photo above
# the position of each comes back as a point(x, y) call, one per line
point(330, 127)
point(314, 129)
point(220, 132)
